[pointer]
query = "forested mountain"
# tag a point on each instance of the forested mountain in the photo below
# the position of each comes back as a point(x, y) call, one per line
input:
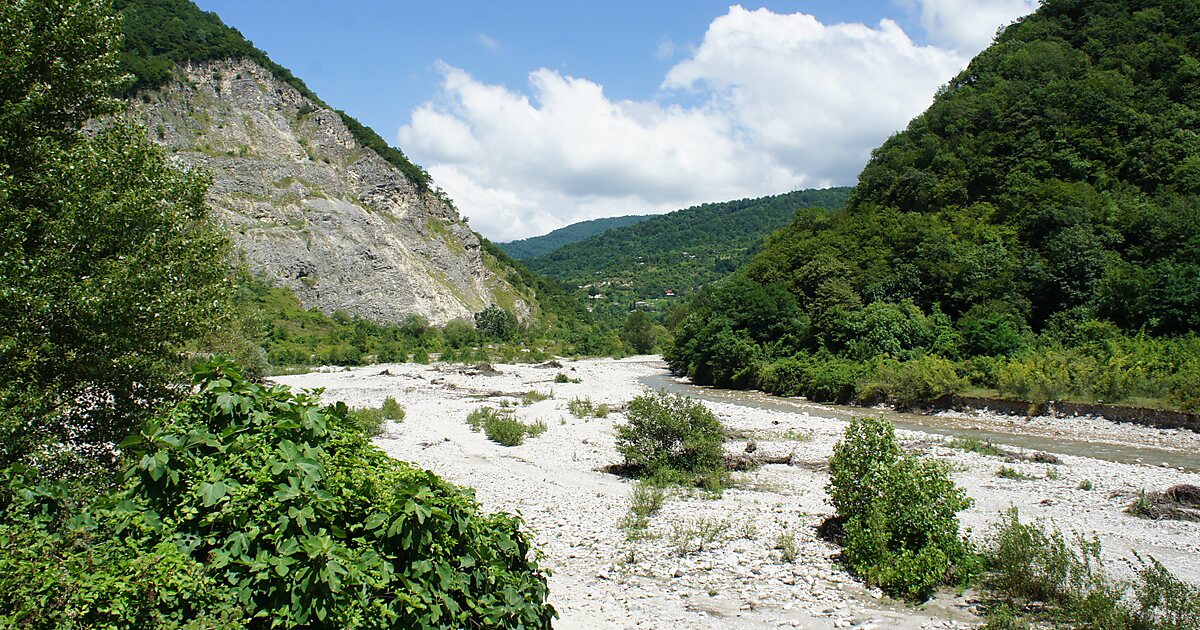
point(1048, 199)
point(535, 246)
point(678, 251)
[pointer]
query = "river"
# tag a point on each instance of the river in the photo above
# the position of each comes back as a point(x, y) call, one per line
point(932, 424)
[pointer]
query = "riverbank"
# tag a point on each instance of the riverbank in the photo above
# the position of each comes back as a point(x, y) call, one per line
point(739, 579)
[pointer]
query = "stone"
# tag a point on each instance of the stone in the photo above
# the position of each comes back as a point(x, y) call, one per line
point(313, 210)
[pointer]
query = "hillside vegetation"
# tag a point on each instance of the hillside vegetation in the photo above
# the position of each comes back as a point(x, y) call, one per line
point(535, 246)
point(681, 251)
point(133, 497)
point(1039, 225)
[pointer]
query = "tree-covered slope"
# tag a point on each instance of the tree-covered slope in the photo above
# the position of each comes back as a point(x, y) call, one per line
point(1048, 199)
point(1058, 173)
point(535, 246)
point(680, 250)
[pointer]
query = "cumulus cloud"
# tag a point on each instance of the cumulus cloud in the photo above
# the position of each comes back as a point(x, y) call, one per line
point(766, 103)
point(968, 24)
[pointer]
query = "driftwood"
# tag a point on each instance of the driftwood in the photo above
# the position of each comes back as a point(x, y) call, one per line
point(746, 461)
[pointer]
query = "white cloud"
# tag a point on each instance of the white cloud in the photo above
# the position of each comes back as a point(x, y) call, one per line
point(969, 24)
point(487, 41)
point(785, 102)
point(666, 49)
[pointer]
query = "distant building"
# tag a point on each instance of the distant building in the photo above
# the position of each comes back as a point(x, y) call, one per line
point(669, 293)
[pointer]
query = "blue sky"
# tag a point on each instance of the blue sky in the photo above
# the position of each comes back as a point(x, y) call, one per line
point(533, 115)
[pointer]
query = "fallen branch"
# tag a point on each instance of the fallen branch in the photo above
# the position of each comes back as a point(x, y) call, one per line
point(745, 461)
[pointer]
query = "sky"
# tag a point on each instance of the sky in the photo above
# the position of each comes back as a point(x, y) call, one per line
point(535, 114)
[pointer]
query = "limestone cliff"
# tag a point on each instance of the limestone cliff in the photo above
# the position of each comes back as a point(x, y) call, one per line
point(314, 210)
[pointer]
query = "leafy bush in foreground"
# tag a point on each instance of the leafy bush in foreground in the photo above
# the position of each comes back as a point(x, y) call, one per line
point(670, 433)
point(278, 504)
point(900, 513)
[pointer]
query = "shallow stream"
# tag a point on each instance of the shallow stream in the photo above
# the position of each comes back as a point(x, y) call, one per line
point(932, 424)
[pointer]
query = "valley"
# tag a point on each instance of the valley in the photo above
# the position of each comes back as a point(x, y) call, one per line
point(259, 370)
point(604, 577)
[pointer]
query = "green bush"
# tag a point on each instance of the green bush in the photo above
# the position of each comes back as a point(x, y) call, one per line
point(1038, 378)
point(585, 408)
point(913, 383)
point(308, 525)
point(501, 427)
point(392, 409)
point(102, 572)
point(504, 429)
point(820, 378)
point(669, 433)
point(1036, 563)
point(900, 513)
point(369, 420)
point(784, 377)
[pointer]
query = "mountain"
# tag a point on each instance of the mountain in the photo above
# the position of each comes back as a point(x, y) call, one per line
point(314, 201)
point(678, 251)
point(535, 246)
point(1056, 179)
point(1039, 223)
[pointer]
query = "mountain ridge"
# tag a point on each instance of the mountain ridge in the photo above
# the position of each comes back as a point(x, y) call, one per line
point(534, 246)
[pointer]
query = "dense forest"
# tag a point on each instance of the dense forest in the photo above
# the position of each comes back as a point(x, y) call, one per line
point(679, 251)
point(535, 246)
point(1036, 231)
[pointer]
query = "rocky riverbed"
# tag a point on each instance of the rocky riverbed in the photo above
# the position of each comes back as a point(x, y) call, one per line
point(739, 576)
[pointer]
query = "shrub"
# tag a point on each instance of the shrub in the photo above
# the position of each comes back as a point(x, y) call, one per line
point(667, 432)
point(91, 576)
point(820, 378)
point(563, 378)
point(580, 407)
point(900, 513)
point(392, 409)
point(784, 377)
point(1038, 378)
point(504, 429)
point(531, 397)
point(536, 428)
point(914, 383)
point(366, 419)
point(496, 324)
point(1037, 563)
point(646, 500)
point(297, 518)
point(975, 445)
point(501, 427)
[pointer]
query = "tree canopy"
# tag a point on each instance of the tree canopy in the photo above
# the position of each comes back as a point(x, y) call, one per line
point(1050, 195)
point(108, 259)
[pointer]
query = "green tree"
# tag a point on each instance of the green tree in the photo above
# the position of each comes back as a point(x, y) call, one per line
point(638, 332)
point(109, 261)
point(496, 323)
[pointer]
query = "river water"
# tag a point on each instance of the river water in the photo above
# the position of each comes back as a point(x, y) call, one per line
point(934, 425)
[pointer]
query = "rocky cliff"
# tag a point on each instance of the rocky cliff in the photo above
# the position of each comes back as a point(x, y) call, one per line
point(312, 209)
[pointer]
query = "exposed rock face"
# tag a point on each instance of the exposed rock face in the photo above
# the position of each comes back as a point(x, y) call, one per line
point(311, 208)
